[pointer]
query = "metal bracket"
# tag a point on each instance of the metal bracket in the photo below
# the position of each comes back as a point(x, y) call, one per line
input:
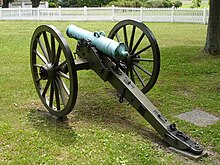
point(86, 50)
point(189, 154)
point(121, 98)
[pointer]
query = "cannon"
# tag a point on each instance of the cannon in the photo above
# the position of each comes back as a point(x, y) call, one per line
point(128, 58)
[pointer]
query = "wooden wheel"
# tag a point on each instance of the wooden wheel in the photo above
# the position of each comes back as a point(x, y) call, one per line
point(143, 62)
point(53, 70)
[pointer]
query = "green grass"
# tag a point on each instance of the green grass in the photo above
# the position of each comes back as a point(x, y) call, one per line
point(100, 130)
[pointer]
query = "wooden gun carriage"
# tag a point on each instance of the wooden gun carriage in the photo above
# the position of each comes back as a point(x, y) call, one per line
point(128, 58)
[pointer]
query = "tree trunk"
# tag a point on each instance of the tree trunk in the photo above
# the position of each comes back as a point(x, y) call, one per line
point(5, 4)
point(35, 3)
point(212, 45)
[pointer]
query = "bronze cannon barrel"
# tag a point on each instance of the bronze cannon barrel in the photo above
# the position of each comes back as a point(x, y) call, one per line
point(105, 45)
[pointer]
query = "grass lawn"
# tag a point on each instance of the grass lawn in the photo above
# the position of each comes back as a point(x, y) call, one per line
point(100, 130)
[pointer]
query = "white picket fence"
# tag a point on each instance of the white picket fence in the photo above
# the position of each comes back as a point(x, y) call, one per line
point(107, 14)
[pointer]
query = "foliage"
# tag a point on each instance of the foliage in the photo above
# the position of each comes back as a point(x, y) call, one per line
point(92, 2)
point(167, 3)
point(156, 4)
point(148, 4)
point(125, 3)
point(52, 5)
point(137, 3)
point(62, 3)
point(177, 4)
point(120, 3)
point(196, 3)
point(67, 3)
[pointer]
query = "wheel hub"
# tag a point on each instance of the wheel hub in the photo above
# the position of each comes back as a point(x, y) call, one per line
point(64, 68)
point(47, 72)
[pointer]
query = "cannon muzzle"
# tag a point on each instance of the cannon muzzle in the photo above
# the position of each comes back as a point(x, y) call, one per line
point(107, 46)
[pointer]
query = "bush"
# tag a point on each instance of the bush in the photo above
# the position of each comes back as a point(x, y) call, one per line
point(177, 4)
point(124, 3)
point(167, 3)
point(52, 5)
point(137, 3)
point(156, 4)
point(146, 3)
point(196, 3)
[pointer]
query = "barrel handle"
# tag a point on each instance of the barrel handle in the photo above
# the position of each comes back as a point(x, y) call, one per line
point(96, 34)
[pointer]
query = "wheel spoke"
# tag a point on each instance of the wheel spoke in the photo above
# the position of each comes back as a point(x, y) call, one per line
point(39, 79)
point(51, 94)
point(57, 58)
point(63, 75)
point(132, 75)
point(63, 90)
point(138, 76)
point(53, 48)
point(142, 50)
point(46, 88)
point(57, 95)
point(37, 65)
point(47, 45)
point(117, 37)
point(127, 71)
point(143, 69)
point(142, 59)
point(43, 50)
point(132, 38)
point(138, 43)
point(64, 87)
point(41, 56)
point(61, 65)
point(125, 35)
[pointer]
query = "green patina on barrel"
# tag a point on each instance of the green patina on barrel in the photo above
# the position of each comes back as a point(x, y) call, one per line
point(105, 45)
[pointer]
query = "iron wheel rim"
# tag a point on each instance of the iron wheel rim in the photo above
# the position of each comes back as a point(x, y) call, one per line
point(53, 70)
point(135, 59)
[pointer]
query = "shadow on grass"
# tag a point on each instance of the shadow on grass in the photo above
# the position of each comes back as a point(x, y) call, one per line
point(95, 108)
point(49, 127)
point(110, 114)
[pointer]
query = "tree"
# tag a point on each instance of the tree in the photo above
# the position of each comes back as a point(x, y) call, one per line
point(92, 2)
point(130, 3)
point(66, 3)
point(212, 45)
point(196, 3)
point(177, 4)
point(6, 3)
point(167, 3)
point(35, 3)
